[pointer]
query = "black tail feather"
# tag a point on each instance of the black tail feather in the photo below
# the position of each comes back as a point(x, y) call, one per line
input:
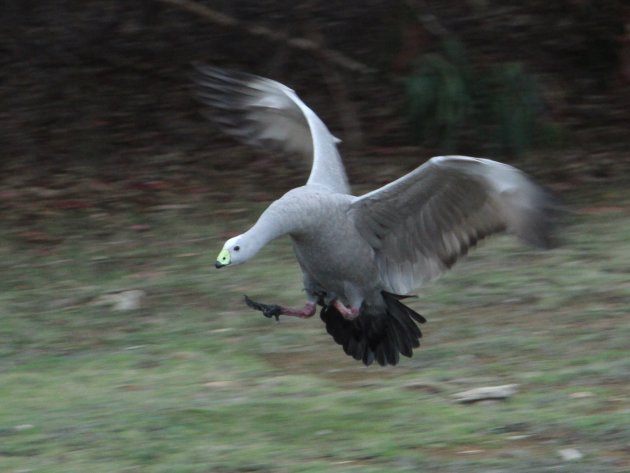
point(376, 335)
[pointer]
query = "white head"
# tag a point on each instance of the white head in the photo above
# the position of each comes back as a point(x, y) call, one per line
point(235, 251)
point(243, 247)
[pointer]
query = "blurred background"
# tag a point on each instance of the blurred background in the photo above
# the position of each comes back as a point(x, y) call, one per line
point(122, 350)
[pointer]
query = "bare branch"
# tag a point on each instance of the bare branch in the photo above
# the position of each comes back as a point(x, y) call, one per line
point(227, 21)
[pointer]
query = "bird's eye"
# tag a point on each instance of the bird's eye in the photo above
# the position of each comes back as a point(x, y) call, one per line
point(236, 248)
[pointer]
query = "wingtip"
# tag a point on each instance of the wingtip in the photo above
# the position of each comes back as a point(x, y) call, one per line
point(214, 76)
point(200, 70)
point(545, 226)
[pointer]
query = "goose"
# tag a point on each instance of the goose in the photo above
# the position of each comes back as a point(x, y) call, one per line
point(361, 256)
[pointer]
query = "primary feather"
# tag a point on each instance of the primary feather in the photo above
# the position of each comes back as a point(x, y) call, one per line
point(266, 114)
point(368, 252)
point(422, 223)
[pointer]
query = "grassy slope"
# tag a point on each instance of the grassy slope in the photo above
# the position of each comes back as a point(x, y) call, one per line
point(196, 382)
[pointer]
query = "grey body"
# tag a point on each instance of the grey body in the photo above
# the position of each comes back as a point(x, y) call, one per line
point(366, 251)
point(349, 271)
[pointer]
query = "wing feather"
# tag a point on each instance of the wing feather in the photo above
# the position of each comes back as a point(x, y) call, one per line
point(422, 223)
point(266, 114)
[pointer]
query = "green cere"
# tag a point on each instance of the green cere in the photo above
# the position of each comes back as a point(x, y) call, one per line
point(224, 257)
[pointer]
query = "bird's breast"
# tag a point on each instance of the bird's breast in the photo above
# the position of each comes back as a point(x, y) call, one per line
point(337, 259)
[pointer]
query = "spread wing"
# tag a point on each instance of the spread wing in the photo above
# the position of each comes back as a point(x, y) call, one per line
point(266, 114)
point(422, 223)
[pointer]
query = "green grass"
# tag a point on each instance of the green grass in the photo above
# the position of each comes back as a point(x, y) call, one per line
point(196, 382)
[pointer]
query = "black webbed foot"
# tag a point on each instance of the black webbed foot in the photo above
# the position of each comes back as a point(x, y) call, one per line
point(268, 310)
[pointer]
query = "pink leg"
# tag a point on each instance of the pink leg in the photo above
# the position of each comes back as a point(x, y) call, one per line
point(273, 310)
point(304, 313)
point(348, 313)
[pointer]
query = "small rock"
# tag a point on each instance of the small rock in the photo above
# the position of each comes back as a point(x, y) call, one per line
point(219, 384)
point(581, 395)
point(22, 427)
point(122, 301)
point(129, 300)
point(319, 433)
point(486, 393)
point(570, 454)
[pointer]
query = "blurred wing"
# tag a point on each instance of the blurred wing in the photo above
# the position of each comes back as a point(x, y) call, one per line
point(422, 223)
point(266, 114)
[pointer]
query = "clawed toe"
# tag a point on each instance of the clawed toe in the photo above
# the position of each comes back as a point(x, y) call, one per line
point(268, 310)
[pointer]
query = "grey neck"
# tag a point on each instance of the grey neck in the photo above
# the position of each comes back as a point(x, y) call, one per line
point(273, 223)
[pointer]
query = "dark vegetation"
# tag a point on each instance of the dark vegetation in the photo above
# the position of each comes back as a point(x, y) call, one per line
point(102, 82)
